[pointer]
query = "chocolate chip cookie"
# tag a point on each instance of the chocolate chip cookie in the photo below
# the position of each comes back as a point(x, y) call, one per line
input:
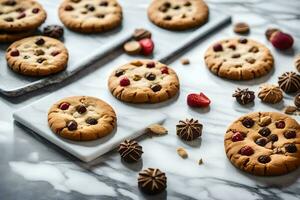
point(143, 81)
point(82, 118)
point(20, 15)
point(178, 14)
point(37, 56)
point(239, 59)
point(90, 16)
point(264, 143)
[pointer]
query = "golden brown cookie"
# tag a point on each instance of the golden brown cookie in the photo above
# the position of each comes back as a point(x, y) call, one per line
point(11, 37)
point(178, 14)
point(82, 118)
point(37, 56)
point(90, 16)
point(264, 143)
point(20, 15)
point(239, 59)
point(143, 81)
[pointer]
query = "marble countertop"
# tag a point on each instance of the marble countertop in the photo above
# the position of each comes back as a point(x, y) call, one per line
point(32, 168)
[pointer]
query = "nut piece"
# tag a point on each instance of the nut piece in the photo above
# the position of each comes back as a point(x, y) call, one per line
point(182, 152)
point(290, 110)
point(265, 121)
point(270, 93)
point(157, 129)
point(185, 61)
point(132, 47)
point(241, 28)
point(141, 33)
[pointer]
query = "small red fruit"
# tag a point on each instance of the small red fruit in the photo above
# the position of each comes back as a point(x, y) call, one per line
point(124, 81)
point(246, 151)
point(147, 46)
point(237, 136)
point(198, 100)
point(164, 70)
point(281, 40)
point(64, 106)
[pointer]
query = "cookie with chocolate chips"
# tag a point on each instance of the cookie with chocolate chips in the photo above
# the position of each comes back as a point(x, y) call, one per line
point(90, 16)
point(264, 143)
point(143, 81)
point(178, 14)
point(37, 56)
point(20, 15)
point(239, 59)
point(82, 118)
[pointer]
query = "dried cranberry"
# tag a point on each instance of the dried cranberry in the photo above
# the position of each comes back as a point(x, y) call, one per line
point(264, 159)
point(164, 70)
point(291, 148)
point(81, 109)
point(15, 53)
point(237, 136)
point(246, 151)
point(150, 65)
point(248, 122)
point(64, 106)
point(218, 47)
point(72, 125)
point(289, 134)
point(124, 81)
point(55, 53)
point(280, 124)
point(265, 131)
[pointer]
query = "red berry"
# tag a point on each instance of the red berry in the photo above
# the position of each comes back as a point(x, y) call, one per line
point(147, 46)
point(150, 65)
point(246, 151)
point(64, 106)
point(237, 136)
point(281, 40)
point(198, 100)
point(124, 81)
point(164, 70)
point(15, 53)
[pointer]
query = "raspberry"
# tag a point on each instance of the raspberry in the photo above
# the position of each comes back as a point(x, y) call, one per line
point(281, 40)
point(198, 100)
point(246, 151)
point(237, 136)
point(64, 106)
point(124, 81)
point(147, 46)
point(164, 70)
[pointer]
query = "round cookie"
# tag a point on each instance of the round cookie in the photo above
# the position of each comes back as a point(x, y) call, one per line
point(37, 56)
point(82, 118)
point(20, 15)
point(90, 16)
point(178, 14)
point(143, 81)
point(11, 37)
point(239, 59)
point(264, 143)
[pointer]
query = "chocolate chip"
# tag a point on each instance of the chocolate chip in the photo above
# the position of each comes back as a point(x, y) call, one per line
point(218, 47)
point(119, 72)
point(35, 10)
point(15, 53)
point(72, 125)
point(167, 4)
point(69, 8)
point(39, 52)
point(163, 9)
point(261, 141)
point(104, 3)
point(40, 60)
point(150, 65)
point(54, 31)
point(22, 15)
point(264, 159)
point(248, 122)
point(100, 16)
point(81, 109)
point(187, 4)
point(75, 1)
point(265, 131)
point(168, 17)
point(40, 41)
point(20, 9)
point(150, 76)
point(289, 134)
point(233, 47)
point(280, 124)
point(26, 57)
point(156, 87)
point(9, 3)
point(9, 19)
point(55, 53)
point(273, 137)
point(250, 60)
point(253, 50)
point(91, 121)
point(90, 7)
point(291, 148)
point(236, 55)
point(176, 7)
point(243, 40)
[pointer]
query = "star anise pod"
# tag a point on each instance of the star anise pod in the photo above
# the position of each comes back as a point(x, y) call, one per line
point(152, 181)
point(130, 151)
point(244, 96)
point(189, 129)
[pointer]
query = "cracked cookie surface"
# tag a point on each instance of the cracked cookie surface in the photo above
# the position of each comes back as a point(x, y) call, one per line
point(143, 81)
point(90, 16)
point(37, 56)
point(264, 143)
point(82, 118)
point(178, 14)
point(239, 59)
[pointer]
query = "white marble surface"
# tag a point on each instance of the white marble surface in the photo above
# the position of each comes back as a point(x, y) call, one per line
point(31, 169)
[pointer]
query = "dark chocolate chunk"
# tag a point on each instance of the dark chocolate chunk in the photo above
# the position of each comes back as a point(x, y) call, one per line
point(40, 41)
point(54, 31)
point(156, 87)
point(289, 134)
point(248, 122)
point(280, 124)
point(265, 131)
point(273, 137)
point(264, 159)
point(291, 148)
point(150, 76)
point(91, 121)
point(81, 109)
point(261, 141)
point(72, 125)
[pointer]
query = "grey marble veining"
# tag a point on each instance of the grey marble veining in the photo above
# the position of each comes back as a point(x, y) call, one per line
point(31, 169)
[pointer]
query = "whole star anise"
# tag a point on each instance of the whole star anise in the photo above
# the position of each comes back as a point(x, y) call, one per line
point(244, 96)
point(189, 129)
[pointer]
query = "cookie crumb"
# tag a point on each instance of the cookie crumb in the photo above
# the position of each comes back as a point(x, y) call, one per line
point(290, 110)
point(185, 61)
point(241, 28)
point(157, 129)
point(182, 152)
point(200, 161)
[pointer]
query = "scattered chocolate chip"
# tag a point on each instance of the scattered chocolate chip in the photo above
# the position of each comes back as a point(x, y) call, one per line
point(15, 53)
point(250, 60)
point(265, 131)
point(103, 3)
point(40, 41)
point(9, 19)
point(243, 40)
point(150, 76)
point(218, 47)
point(236, 55)
point(167, 4)
point(91, 121)
point(289, 134)
point(273, 137)
point(39, 52)
point(54, 31)
point(150, 65)
point(55, 53)
point(72, 125)
point(264, 159)
point(40, 60)
point(81, 109)
point(176, 7)
point(232, 46)
point(141, 34)
point(280, 124)
point(291, 148)
point(248, 122)
point(156, 87)
point(69, 8)
point(22, 15)
point(261, 141)
point(9, 3)
point(21, 9)
point(35, 10)
point(167, 17)
point(90, 7)
point(119, 72)
point(75, 1)
point(253, 50)
point(187, 4)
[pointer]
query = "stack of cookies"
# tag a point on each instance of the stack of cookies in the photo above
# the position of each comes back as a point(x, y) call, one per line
point(19, 19)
